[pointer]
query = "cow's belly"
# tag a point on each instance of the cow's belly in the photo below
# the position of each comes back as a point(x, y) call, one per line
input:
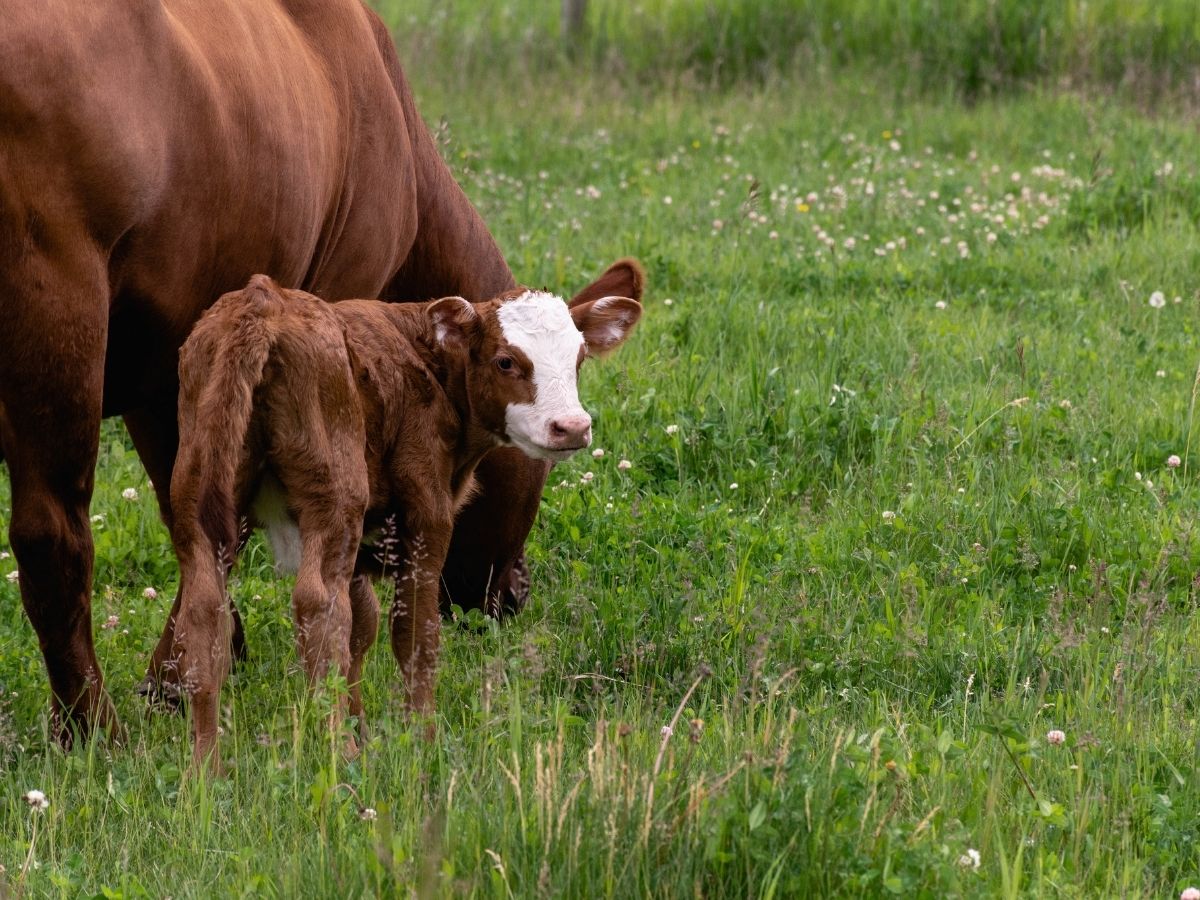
point(215, 146)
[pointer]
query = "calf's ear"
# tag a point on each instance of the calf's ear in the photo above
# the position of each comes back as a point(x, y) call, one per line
point(624, 278)
point(605, 323)
point(453, 319)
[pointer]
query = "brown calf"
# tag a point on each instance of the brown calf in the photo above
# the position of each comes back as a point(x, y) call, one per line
point(324, 419)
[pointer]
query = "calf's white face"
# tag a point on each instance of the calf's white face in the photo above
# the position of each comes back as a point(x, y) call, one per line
point(554, 425)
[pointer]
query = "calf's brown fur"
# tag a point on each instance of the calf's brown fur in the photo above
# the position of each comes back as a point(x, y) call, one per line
point(352, 415)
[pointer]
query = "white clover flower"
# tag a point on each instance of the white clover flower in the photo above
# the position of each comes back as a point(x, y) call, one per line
point(13, 576)
point(667, 731)
point(971, 859)
point(150, 593)
point(733, 486)
point(941, 304)
point(668, 301)
point(130, 494)
point(587, 477)
point(624, 465)
point(98, 518)
point(1190, 893)
point(1161, 373)
point(36, 799)
point(110, 623)
point(672, 429)
point(1157, 300)
point(598, 452)
point(368, 814)
point(1173, 461)
point(889, 516)
point(1064, 404)
point(1055, 737)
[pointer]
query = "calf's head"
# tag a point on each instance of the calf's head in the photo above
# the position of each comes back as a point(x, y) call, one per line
point(522, 352)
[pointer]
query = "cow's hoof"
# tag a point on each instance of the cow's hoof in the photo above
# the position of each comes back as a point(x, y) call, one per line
point(514, 596)
point(160, 696)
point(96, 717)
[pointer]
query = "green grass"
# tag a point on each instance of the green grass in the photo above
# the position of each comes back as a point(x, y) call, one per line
point(875, 690)
point(1143, 48)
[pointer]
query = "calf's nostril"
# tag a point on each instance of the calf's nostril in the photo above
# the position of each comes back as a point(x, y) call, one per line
point(573, 429)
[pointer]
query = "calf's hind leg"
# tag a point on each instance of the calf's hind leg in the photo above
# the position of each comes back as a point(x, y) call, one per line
point(201, 644)
point(321, 599)
point(51, 389)
point(155, 434)
point(364, 609)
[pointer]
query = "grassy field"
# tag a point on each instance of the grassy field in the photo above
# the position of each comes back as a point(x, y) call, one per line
point(1145, 49)
point(903, 416)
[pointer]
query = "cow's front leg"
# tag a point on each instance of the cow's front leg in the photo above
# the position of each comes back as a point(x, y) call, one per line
point(485, 568)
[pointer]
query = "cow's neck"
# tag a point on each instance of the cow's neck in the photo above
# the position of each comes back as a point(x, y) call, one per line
point(453, 252)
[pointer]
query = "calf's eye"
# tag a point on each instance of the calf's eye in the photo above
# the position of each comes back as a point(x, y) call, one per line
point(505, 364)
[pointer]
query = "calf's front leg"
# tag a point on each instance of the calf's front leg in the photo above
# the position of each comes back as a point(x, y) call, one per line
point(415, 624)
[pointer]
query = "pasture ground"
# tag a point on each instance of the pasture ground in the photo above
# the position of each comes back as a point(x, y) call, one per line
point(899, 416)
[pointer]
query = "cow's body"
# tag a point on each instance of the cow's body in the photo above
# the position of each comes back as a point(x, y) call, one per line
point(155, 154)
point(325, 418)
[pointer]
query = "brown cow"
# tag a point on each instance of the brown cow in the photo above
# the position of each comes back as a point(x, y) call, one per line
point(156, 154)
point(320, 417)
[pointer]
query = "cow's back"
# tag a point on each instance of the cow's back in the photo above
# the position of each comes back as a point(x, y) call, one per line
point(195, 142)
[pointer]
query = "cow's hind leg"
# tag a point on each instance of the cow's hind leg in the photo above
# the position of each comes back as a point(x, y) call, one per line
point(155, 435)
point(51, 391)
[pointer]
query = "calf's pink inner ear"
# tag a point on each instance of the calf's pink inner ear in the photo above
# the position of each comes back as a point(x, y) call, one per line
point(606, 323)
point(452, 317)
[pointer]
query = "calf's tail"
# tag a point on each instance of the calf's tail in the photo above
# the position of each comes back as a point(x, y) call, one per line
point(221, 365)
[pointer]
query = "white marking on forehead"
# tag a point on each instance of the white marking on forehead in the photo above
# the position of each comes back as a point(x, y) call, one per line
point(540, 325)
